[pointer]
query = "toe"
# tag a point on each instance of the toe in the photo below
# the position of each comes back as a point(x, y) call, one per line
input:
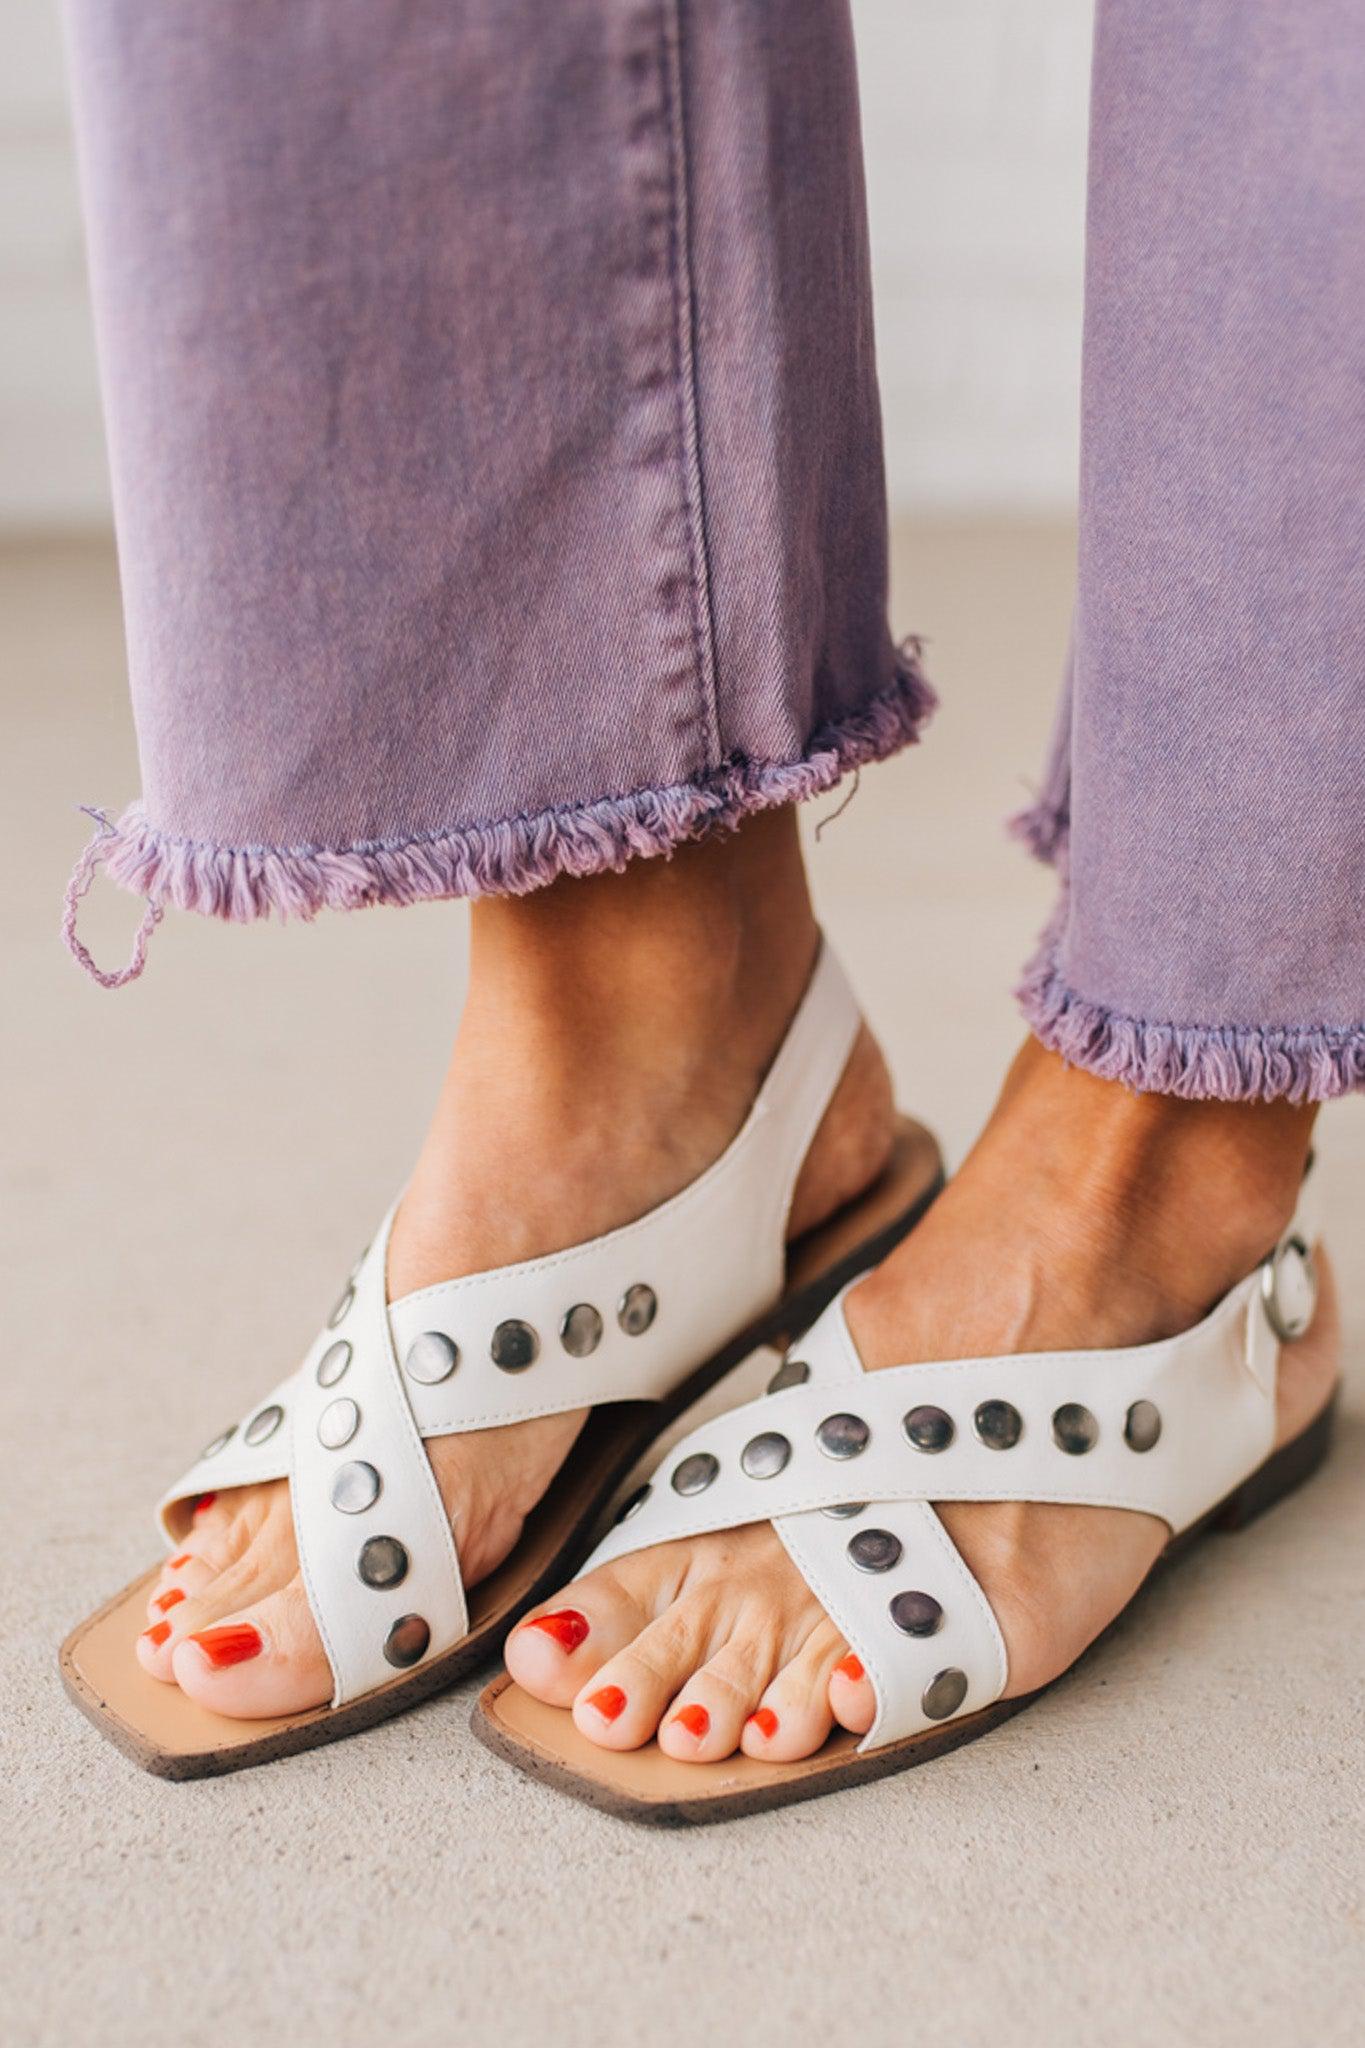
point(851, 1698)
point(560, 1646)
point(621, 1705)
point(256, 1661)
point(794, 1717)
point(707, 1718)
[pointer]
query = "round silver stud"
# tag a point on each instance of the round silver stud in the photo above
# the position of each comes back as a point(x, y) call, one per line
point(845, 1510)
point(696, 1473)
point(793, 1372)
point(634, 1502)
point(763, 1457)
point(998, 1424)
point(843, 1436)
point(1142, 1425)
point(431, 1358)
point(637, 1309)
point(874, 1550)
point(355, 1487)
point(581, 1330)
point(929, 1429)
point(263, 1425)
point(515, 1346)
point(220, 1443)
point(342, 1307)
point(944, 1695)
point(1074, 1429)
point(333, 1363)
point(337, 1424)
point(917, 1614)
point(383, 1562)
point(1289, 1289)
point(407, 1641)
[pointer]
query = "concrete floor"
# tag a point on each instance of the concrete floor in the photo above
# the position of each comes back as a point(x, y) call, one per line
point(1168, 1849)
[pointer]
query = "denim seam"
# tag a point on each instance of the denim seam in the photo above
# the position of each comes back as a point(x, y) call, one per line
point(685, 380)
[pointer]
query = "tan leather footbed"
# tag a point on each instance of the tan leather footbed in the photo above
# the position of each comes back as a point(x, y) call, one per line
point(166, 1732)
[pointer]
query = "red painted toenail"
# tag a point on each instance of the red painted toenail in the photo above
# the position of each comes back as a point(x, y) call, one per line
point(232, 1643)
point(850, 1667)
point(694, 1719)
point(157, 1633)
point(166, 1601)
point(176, 1563)
point(568, 1627)
point(765, 1720)
point(204, 1503)
point(609, 1702)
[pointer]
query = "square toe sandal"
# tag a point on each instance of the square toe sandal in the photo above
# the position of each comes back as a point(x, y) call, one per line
point(635, 1325)
point(845, 1463)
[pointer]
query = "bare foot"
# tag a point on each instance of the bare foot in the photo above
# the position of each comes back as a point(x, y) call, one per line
point(613, 1041)
point(1085, 1217)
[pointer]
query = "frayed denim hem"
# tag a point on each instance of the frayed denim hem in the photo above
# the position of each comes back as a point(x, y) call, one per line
point(508, 857)
point(1220, 1063)
point(1043, 828)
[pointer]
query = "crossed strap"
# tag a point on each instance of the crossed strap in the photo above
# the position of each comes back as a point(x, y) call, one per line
point(624, 1317)
point(845, 1463)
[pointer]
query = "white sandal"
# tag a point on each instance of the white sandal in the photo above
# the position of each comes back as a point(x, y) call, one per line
point(846, 1463)
point(636, 1325)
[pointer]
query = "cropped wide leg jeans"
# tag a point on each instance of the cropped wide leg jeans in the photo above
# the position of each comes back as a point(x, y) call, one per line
point(497, 466)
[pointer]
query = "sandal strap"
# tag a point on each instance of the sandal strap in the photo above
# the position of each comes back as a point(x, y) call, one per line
point(846, 1464)
point(625, 1317)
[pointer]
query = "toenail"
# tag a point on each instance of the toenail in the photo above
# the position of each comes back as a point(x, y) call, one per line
point(568, 1627)
point(694, 1719)
point(157, 1633)
point(232, 1643)
point(609, 1702)
point(176, 1563)
point(165, 1601)
point(765, 1720)
point(850, 1667)
point(204, 1503)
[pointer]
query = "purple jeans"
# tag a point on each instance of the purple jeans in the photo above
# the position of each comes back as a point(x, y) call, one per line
point(498, 477)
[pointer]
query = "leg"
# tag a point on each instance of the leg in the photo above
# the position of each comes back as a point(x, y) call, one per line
point(493, 424)
point(1217, 520)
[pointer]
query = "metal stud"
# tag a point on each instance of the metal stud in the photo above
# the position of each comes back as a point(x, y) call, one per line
point(637, 1309)
point(998, 1424)
point(382, 1563)
point(1289, 1289)
point(515, 1345)
point(764, 1456)
point(1074, 1429)
point(355, 1487)
point(634, 1502)
point(263, 1425)
point(220, 1443)
point(407, 1641)
point(843, 1436)
point(581, 1330)
point(874, 1550)
point(431, 1358)
point(1142, 1425)
point(696, 1473)
point(917, 1614)
point(845, 1510)
point(929, 1429)
point(333, 1363)
point(342, 1307)
point(338, 1423)
point(944, 1695)
point(793, 1372)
